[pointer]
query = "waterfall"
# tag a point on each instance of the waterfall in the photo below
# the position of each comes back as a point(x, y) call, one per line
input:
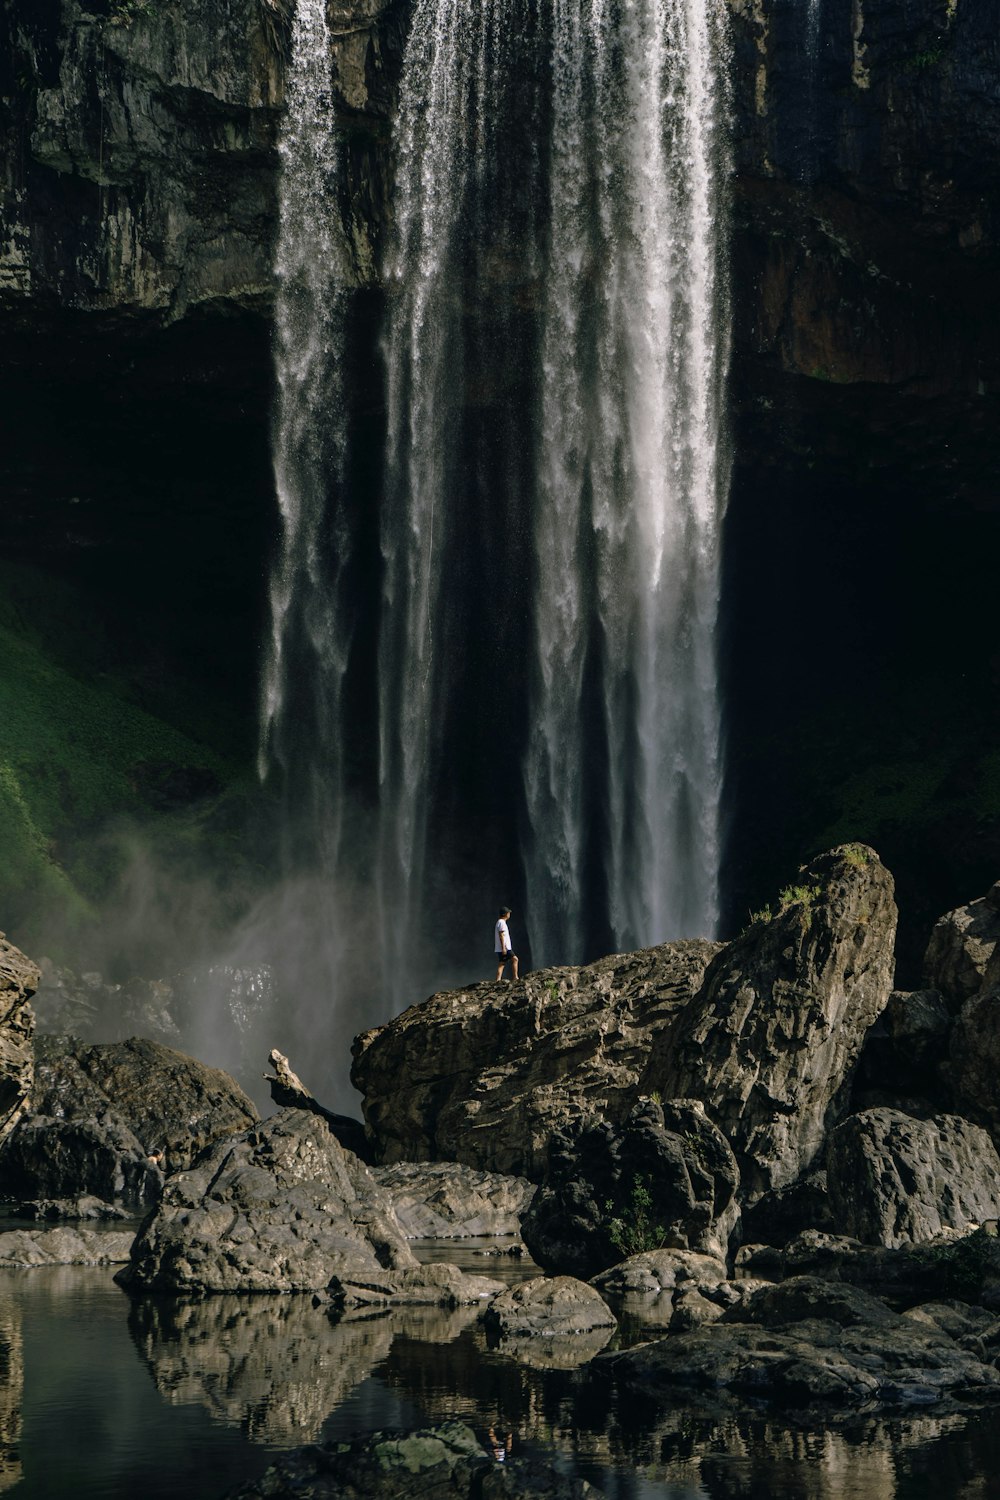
point(632, 479)
point(310, 626)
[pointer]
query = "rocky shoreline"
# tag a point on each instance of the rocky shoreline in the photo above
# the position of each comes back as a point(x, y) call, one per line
point(749, 1172)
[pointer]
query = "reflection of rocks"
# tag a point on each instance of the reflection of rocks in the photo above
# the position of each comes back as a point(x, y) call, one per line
point(485, 1075)
point(444, 1200)
point(443, 1461)
point(809, 1343)
point(18, 981)
point(778, 1025)
point(65, 1246)
point(276, 1367)
point(893, 1179)
point(100, 1111)
point(11, 1394)
point(664, 1175)
point(281, 1208)
point(550, 1322)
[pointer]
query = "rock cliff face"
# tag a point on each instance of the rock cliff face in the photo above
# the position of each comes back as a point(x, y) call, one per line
point(19, 979)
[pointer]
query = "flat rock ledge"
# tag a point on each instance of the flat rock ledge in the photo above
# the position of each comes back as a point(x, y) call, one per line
point(65, 1246)
point(436, 1463)
point(809, 1345)
point(447, 1201)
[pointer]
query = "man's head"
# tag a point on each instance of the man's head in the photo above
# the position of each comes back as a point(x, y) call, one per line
point(505, 911)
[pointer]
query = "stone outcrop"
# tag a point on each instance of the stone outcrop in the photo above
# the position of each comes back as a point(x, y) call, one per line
point(112, 1120)
point(485, 1075)
point(973, 1066)
point(444, 1200)
point(894, 1180)
point(19, 979)
point(449, 1460)
point(664, 1176)
point(961, 946)
point(65, 1246)
point(772, 1037)
point(905, 1053)
point(810, 1345)
point(281, 1208)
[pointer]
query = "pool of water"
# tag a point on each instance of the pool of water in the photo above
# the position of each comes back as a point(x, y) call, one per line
point(108, 1397)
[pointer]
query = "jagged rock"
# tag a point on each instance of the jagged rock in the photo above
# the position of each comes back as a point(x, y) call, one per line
point(973, 1067)
point(85, 1207)
point(894, 1179)
point(550, 1322)
point(64, 1246)
point(665, 1174)
point(961, 945)
point(808, 1344)
point(281, 1208)
point(445, 1200)
point(778, 1025)
point(429, 1464)
point(112, 1120)
point(19, 979)
point(289, 1092)
point(487, 1074)
point(963, 1266)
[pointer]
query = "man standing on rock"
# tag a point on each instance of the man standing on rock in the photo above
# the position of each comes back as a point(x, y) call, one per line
point(502, 946)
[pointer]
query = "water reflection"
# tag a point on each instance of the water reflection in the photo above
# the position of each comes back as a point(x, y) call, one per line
point(225, 1381)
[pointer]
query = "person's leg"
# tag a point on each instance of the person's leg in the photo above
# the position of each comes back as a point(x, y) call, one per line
point(513, 959)
point(500, 964)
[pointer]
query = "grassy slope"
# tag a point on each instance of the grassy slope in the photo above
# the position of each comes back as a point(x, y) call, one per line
point(79, 756)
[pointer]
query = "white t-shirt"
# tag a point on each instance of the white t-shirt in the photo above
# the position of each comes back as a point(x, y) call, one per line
point(502, 936)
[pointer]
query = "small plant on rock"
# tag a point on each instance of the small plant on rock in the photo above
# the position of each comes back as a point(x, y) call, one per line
point(636, 1232)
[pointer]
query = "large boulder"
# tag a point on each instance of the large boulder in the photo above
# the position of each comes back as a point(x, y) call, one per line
point(112, 1120)
point(487, 1074)
point(905, 1052)
point(550, 1321)
point(893, 1179)
point(960, 948)
point(973, 1065)
point(281, 1208)
point(64, 1246)
point(771, 1039)
point(19, 979)
point(664, 1177)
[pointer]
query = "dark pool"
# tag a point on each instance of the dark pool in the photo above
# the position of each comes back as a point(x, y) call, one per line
point(105, 1397)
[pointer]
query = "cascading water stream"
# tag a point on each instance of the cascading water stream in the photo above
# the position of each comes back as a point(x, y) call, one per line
point(632, 478)
point(310, 629)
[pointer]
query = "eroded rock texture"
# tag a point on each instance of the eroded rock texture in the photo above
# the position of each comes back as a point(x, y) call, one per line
point(19, 979)
point(773, 1035)
point(112, 1120)
point(444, 1200)
point(894, 1180)
point(664, 1177)
point(487, 1074)
point(281, 1208)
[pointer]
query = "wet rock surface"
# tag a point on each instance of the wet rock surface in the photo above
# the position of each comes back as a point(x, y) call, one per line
point(112, 1120)
point(486, 1075)
point(19, 979)
point(665, 1174)
point(446, 1461)
point(774, 1033)
point(894, 1180)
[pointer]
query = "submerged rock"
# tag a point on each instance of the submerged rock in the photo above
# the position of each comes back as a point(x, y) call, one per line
point(894, 1180)
point(665, 1176)
point(487, 1074)
point(437, 1463)
point(112, 1120)
point(778, 1025)
point(19, 979)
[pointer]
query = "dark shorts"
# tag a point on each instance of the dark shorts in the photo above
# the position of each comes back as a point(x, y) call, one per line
point(505, 958)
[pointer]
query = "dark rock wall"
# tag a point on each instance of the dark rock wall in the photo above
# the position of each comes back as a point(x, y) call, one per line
point(136, 232)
